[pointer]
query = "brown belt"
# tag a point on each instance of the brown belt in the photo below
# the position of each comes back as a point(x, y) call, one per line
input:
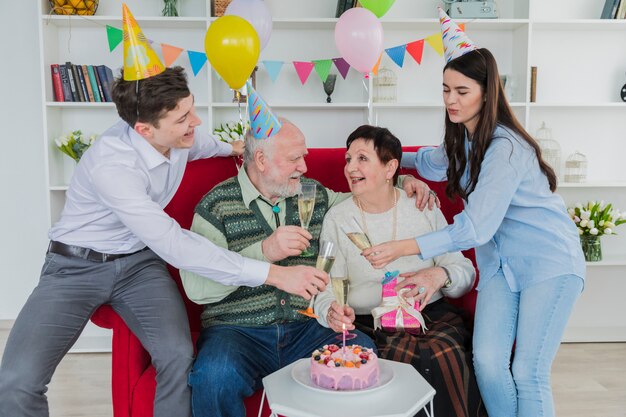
point(86, 253)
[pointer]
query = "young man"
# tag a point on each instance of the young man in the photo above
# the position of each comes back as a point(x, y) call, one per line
point(110, 245)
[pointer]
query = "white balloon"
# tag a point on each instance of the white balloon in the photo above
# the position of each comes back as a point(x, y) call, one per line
point(256, 13)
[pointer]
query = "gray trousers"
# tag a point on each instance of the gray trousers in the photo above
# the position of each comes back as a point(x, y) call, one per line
point(140, 290)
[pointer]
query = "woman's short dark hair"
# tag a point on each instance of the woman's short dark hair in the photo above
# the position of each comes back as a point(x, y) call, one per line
point(157, 95)
point(386, 145)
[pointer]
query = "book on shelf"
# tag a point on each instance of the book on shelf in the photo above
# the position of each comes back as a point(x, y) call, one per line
point(72, 81)
point(79, 90)
point(533, 84)
point(85, 75)
point(610, 9)
point(65, 83)
point(93, 82)
point(343, 5)
point(81, 83)
point(98, 82)
point(57, 87)
point(106, 78)
point(621, 10)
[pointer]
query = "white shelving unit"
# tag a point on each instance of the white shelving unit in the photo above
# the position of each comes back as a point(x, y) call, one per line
point(580, 73)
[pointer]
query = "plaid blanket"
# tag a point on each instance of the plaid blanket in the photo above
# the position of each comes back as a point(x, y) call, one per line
point(443, 356)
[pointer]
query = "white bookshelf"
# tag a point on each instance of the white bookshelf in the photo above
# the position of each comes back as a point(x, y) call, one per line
point(579, 77)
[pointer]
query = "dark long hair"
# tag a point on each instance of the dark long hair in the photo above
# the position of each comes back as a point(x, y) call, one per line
point(480, 65)
point(386, 145)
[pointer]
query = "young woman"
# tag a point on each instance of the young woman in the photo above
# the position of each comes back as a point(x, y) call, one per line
point(442, 353)
point(528, 251)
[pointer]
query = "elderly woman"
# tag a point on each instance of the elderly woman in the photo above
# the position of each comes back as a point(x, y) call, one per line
point(442, 353)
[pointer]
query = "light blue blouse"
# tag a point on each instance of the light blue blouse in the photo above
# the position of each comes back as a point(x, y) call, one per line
point(512, 219)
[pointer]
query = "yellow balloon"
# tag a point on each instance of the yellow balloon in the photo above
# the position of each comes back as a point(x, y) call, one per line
point(232, 47)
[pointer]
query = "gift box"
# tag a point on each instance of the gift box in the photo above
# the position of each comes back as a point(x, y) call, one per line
point(397, 312)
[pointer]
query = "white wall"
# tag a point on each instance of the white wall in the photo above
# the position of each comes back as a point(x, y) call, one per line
point(23, 211)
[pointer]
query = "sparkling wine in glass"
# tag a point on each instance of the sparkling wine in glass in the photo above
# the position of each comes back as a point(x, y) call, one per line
point(306, 203)
point(341, 286)
point(355, 233)
point(325, 261)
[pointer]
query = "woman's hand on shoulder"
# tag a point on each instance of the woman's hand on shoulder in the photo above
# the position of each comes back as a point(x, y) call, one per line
point(381, 255)
point(423, 194)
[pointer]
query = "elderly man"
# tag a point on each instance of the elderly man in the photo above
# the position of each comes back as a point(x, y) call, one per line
point(249, 333)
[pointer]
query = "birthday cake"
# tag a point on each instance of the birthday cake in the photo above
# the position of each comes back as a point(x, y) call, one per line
point(344, 369)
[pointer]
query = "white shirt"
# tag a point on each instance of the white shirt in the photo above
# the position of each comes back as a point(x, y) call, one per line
point(115, 203)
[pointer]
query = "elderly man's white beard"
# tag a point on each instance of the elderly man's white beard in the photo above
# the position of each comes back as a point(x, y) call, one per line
point(285, 190)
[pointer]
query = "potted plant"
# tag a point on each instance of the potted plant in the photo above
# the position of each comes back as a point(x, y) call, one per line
point(595, 219)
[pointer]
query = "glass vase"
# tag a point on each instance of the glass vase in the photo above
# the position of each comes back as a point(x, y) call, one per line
point(592, 247)
point(169, 8)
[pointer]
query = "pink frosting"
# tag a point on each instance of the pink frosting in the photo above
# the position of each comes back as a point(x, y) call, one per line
point(326, 374)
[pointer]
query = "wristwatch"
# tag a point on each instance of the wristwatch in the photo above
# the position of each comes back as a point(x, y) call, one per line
point(449, 280)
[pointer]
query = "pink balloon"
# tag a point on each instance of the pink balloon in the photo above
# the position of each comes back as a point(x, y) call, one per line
point(256, 13)
point(359, 38)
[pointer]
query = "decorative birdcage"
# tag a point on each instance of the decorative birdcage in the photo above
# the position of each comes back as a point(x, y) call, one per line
point(576, 168)
point(550, 148)
point(385, 86)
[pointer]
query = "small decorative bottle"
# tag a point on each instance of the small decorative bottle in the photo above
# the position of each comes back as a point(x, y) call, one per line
point(576, 168)
point(550, 148)
point(170, 8)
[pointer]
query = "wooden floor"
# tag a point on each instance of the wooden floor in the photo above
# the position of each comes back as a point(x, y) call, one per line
point(588, 379)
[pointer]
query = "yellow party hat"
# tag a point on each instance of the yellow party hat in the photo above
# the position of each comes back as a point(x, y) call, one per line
point(140, 60)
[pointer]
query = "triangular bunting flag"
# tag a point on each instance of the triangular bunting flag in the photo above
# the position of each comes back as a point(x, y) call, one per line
point(435, 42)
point(342, 66)
point(375, 69)
point(322, 67)
point(273, 68)
point(303, 69)
point(416, 49)
point(170, 53)
point(197, 60)
point(114, 36)
point(397, 54)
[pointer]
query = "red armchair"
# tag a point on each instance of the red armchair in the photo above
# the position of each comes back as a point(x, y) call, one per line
point(132, 382)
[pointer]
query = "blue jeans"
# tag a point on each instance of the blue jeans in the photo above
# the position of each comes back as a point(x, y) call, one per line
point(534, 319)
point(232, 360)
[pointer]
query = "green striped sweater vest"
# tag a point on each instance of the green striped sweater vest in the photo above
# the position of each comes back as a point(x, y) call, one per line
point(223, 207)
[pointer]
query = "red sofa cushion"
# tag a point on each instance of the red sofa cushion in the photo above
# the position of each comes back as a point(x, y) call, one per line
point(133, 382)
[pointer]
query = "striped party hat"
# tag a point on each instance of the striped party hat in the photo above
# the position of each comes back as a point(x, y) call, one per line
point(263, 123)
point(455, 41)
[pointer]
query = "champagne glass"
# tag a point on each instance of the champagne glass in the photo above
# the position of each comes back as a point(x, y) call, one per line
point(341, 286)
point(325, 261)
point(306, 202)
point(355, 233)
